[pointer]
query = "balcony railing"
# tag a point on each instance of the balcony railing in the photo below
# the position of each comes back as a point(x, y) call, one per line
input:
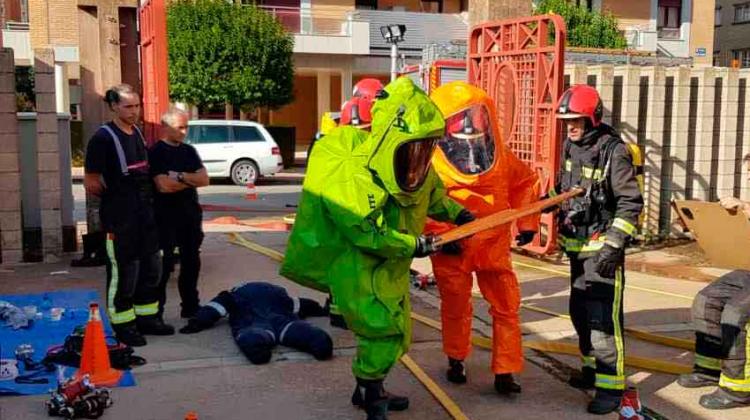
point(305, 21)
point(669, 33)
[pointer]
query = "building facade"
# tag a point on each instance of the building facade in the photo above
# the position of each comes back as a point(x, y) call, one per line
point(338, 42)
point(681, 29)
point(732, 28)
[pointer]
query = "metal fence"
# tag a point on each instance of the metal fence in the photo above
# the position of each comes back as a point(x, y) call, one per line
point(302, 21)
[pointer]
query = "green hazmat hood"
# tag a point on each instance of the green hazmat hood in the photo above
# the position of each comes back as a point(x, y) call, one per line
point(406, 126)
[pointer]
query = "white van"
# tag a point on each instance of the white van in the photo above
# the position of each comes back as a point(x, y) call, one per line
point(240, 150)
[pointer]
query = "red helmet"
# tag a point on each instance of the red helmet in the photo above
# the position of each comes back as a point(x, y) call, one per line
point(367, 88)
point(580, 101)
point(356, 112)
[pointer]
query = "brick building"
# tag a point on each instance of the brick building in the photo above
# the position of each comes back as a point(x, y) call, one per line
point(732, 27)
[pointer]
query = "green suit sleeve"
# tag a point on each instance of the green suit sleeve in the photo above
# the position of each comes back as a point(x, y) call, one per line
point(356, 210)
point(442, 208)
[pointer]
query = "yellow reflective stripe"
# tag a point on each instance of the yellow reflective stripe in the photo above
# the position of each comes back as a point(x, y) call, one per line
point(587, 171)
point(114, 316)
point(624, 226)
point(589, 361)
point(593, 246)
point(620, 348)
point(597, 174)
point(568, 165)
point(121, 317)
point(572, 244)
point(147, 309)
point(739, 385)
point(610, 381)
point(707, 362)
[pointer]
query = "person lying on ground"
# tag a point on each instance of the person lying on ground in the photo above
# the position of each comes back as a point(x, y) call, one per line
point(262, 315)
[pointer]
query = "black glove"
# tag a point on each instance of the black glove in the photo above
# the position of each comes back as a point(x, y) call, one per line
point(192, 327)
point(464, 217)
point(451, 248)
point(426, 245)
point(609, 260)
point(524, 237)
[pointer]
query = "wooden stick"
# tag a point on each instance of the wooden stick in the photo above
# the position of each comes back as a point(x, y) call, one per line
point(505, 216)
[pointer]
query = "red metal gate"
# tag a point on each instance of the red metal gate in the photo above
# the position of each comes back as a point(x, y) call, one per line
point(154, 76)
point(519, 63)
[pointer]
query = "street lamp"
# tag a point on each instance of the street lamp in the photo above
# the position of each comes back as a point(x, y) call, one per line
point(393, 34)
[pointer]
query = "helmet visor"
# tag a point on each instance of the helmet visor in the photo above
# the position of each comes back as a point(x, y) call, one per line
point(412, 163)
point(468, 143)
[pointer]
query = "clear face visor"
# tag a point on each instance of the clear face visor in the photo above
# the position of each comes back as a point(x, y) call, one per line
point(468, 143)
point(412, 163)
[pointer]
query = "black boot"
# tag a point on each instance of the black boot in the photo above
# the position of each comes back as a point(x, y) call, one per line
point(395, 402)
point(456, 373)
point(94, 251)
point(698, 379)
point(605, 402)
point(504, 384)
point(376, 402)
point(584, 379)
point(721, 400)
point(128, 334)
point(153, 325)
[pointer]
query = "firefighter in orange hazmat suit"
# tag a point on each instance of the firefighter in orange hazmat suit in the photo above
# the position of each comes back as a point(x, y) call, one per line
point(483, 175)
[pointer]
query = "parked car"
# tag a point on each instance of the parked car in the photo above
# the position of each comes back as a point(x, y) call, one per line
point(240, 150)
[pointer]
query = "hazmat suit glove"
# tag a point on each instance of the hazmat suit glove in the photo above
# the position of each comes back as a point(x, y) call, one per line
point(609, 260)
point(426, 245)
point(525, 237)
point(464, 217)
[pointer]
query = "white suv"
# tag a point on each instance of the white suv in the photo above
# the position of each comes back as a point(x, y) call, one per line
point(240, 150)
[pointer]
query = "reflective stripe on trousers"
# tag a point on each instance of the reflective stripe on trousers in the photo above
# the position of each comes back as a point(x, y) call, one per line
point(115, 317)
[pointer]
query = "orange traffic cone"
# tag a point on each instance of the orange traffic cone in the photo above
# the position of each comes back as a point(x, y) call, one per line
point(191, 415)
point(251, 193)
point(95, 356)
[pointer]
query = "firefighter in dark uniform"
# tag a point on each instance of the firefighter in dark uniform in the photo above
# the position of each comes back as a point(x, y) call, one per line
point(721, 316)
point(178, 171)
point(594, 231)
point(117, 170)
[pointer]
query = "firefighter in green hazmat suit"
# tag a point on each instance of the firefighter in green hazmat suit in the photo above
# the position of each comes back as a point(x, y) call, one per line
point(364, 205)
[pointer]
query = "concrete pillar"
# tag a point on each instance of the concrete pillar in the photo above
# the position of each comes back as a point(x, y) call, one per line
point(744, 182)
point(487, 10)
point(346, 82)
point(48, 153)
point(605, 75)
point(654, 149)
point(62, 89)
point(324, 93)
point(577, 73)
point(680, 123)
point(701, 168)
point(630, 99)
point(10, 173)
point(728, 132)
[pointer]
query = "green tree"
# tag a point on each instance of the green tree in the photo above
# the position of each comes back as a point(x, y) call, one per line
point(221, 52)
point(586, 28)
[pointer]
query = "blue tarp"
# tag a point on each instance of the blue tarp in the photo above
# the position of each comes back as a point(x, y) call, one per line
point(45, 333)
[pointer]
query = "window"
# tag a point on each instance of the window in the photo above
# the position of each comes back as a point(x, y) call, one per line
point(742, 56)
point(247, 134)
point(717, 16)
point(669, 20)
point(742, 13)
point(202, 134)
point(366, 4)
